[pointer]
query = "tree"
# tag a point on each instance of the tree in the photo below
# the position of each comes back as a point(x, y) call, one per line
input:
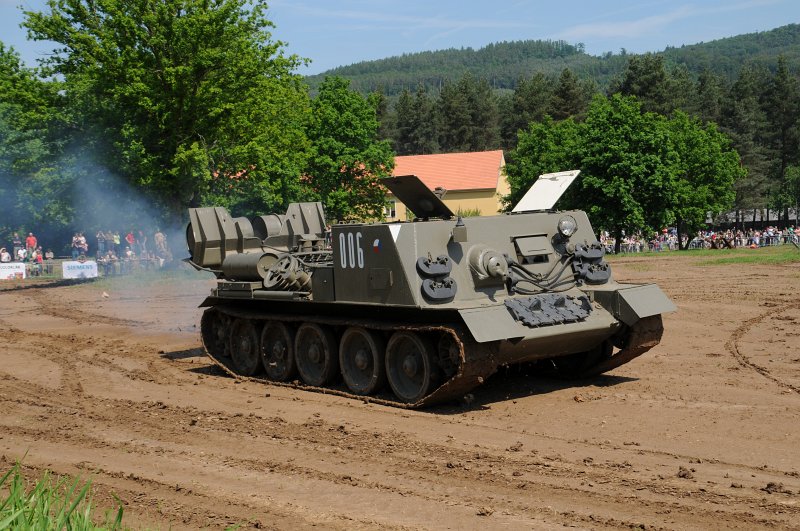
point(529, 102)
point(782, 106)
point(744, 120)
point(347, 160)
point(709, 97)
point(625, 163)
point(188, 99)
point(416, 124)
point(570, 97)
point(792, 191)
point(646, 78)
point(468, 116)
point(703, 171)
point(31, 129)
point(545, 147)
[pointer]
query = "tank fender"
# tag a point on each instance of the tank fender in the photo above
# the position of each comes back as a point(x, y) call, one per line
point(631, 303)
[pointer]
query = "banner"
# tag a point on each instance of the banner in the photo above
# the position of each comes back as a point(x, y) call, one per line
point(12, 270)
point(87, 269)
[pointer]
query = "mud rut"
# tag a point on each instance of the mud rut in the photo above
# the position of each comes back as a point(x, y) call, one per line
point(702, 432)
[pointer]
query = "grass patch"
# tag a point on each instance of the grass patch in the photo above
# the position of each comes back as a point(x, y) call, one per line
point(51, 503)
point(776, 254)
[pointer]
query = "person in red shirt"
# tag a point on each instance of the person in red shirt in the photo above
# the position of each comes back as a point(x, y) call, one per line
point(31, 243)
point(130, 238)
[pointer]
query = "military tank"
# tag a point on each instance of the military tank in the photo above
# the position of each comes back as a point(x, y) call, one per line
point(418, 312)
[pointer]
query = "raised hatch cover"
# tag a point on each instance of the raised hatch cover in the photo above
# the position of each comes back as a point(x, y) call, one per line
point(547, 189)
point(417, 197)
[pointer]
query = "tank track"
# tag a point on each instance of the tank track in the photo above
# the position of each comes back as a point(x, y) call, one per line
point(641, 337)
point(476, 361)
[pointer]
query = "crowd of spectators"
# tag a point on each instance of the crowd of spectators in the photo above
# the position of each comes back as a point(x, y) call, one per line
point(667, 239)
point(115, 254)
point(29, 252)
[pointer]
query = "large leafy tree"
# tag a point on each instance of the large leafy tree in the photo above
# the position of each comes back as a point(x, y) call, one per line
point(625, 163)
point(189, 99)
point(347, 160)
point(31, 132)
point(545, 147)
point(704, 170)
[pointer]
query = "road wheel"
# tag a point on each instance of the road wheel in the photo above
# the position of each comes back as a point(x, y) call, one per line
point(243, 345)
point(214, 329)
point(316, 353)
point(361, 358)
point(277, 351)
point(409, 366)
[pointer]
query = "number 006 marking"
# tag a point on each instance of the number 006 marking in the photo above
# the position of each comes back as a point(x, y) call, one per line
point(350, 252)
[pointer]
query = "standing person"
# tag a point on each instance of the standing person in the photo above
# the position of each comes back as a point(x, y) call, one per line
point(101, 243)
point(16, 244)
point(117, 240)
point(130, 239)
point(4, 256)
point(31, 243)
point(162, 249)
point(82, 244)
point(75, 246)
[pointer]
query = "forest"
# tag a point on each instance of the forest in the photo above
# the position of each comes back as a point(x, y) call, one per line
point(148, 108)
point(743, 91)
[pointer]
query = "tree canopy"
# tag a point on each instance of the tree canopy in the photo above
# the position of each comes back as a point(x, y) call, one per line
point(188, 99)
point(347, 161)
point(640, 171)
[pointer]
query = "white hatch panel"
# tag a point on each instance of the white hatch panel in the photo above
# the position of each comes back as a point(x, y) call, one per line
point(547, 189)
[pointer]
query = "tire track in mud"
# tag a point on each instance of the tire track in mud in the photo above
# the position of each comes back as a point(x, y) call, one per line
point(733, 346)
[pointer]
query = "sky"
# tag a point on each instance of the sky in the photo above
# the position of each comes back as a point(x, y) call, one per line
point(335, 33)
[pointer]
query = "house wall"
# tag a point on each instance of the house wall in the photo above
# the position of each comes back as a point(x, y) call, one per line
point(486, 201)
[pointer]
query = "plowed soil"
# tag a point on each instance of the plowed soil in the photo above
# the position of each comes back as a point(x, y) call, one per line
point(108, 381)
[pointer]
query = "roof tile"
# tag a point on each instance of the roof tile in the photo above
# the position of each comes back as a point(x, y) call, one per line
point(453, 171)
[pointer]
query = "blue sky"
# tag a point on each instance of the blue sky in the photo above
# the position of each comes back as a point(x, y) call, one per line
point(335, 33)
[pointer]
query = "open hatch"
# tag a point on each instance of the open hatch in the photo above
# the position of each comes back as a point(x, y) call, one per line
point(417, 197)
point(547, 189)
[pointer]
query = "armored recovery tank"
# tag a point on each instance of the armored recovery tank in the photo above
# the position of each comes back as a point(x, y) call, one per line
point(432, 306)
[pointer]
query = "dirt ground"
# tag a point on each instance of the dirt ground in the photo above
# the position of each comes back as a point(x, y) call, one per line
point(108, 381)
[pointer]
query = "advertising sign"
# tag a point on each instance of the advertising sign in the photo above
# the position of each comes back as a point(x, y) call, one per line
point(87, 269)
point(12, 270)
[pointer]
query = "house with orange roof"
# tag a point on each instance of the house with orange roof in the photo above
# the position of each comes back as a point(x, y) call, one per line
point(474, 181)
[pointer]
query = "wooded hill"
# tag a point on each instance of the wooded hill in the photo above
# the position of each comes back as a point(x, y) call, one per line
point(503, 64)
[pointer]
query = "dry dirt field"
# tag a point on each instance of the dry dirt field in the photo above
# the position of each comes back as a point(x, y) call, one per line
point(702, 432)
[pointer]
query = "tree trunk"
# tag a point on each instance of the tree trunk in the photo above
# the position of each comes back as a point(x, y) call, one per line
point(617, 240)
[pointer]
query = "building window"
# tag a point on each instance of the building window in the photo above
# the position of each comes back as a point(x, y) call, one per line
point(390, 210)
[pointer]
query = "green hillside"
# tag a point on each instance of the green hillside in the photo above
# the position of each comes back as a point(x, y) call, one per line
point(502, 64)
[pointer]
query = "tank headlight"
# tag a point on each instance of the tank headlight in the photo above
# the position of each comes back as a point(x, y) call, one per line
point(567, 226)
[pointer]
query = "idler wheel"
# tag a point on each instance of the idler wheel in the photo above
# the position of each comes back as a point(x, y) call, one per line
point(277, 351)
point(244, 347)
point(316, 354)
point(214, 328)
point(409, 366)
point(361, 358)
